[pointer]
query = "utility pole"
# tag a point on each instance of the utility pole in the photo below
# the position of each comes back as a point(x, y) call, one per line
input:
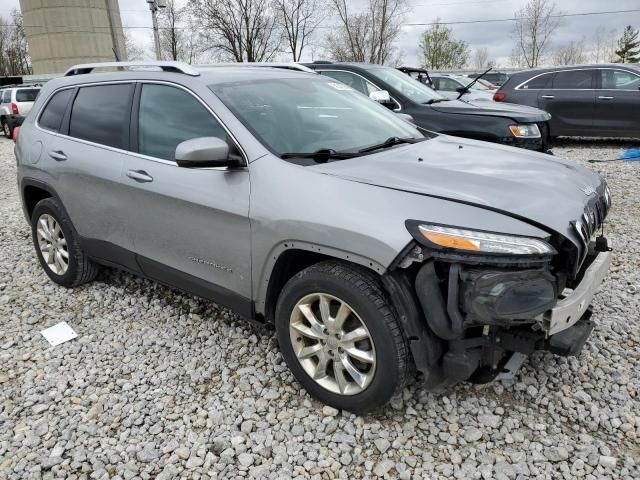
point(154, 5)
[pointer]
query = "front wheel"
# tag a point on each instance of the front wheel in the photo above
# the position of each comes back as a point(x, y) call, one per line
point(6, 128)
point(341, 338)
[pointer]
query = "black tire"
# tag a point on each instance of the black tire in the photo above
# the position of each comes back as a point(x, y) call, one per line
point(80, 269)
point(361, 289)
point(7, 131)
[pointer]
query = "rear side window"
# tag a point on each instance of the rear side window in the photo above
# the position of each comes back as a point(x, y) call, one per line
point(354, 81)
point(52, 115)
point(574, 80)
point(169, 116)
point(100, 114)
point(27, 94)
point(539, 82)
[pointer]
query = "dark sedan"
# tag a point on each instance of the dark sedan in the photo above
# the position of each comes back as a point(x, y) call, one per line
point(514, 125)
point(583, 100)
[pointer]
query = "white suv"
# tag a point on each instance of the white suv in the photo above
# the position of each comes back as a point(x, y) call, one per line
point(15, 103)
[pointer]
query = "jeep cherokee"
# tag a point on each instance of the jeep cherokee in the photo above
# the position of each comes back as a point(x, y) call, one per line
point(374, 249)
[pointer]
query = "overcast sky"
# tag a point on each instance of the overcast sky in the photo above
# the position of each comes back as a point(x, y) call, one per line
point(495, 36)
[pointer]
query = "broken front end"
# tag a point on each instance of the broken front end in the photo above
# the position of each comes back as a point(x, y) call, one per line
point(475, 303)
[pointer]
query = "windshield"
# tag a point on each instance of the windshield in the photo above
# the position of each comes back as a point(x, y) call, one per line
point(412, 89)
point(304, 115)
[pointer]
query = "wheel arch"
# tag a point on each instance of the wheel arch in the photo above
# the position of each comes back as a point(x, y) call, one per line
point(291, 257)
point(32, 191)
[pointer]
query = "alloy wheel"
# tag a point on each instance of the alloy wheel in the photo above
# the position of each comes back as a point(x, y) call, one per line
point(52, 244)
point(332, 344)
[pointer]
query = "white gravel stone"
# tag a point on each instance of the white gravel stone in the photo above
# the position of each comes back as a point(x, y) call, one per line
point(160, 384)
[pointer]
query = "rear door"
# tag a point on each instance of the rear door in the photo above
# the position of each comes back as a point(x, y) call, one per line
point(191, 225)
point(571, 102)
point(617, 103)
point(87, 157)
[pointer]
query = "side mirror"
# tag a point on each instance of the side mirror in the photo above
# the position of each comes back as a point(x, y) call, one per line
point(461, 89)
point(204, 152)
point(383, 98)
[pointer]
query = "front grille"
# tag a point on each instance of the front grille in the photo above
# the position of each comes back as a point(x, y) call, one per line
point(592, 220)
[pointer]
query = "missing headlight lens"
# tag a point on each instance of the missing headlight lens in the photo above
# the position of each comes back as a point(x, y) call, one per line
point(525, 131)
point(483, 242)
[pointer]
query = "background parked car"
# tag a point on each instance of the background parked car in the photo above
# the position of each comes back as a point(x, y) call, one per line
point(514, 125)
point(583, 100)
point(15, 103)
point(448, 84)
point(497, 78)
point(488, 84)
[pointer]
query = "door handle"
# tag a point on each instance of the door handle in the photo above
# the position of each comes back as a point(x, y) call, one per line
point(605, 98)
point(58, 155)
point(139, 176)
point(548, 97)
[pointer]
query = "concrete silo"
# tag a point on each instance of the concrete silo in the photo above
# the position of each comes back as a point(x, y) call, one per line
point(62, 33)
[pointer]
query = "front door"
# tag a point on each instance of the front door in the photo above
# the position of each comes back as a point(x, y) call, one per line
point(191, 226)
point(617, 103)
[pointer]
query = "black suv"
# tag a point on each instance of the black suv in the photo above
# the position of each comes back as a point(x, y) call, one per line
point(583, 100)
point(514, 125)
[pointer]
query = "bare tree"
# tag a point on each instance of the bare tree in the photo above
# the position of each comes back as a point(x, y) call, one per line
point(299, 19)
point(239, 30)
point(14, 54)
point(604, 45)
point(367, 35)
point(571, 54)
point(134, 50)
point(481, 58)
point(534, 26)
point(171, 31)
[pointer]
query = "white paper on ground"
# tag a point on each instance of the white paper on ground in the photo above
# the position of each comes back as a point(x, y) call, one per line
point(58, 334)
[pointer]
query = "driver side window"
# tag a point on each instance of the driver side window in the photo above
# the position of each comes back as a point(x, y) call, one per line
point(168, 116)
point(354, 81)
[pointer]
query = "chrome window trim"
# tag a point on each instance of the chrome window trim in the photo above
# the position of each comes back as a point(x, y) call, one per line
point(365, 79)
point(553, 72)
point(129, 152)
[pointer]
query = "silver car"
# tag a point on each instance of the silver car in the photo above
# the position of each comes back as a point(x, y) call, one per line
point(449, 85)
point(377, 250)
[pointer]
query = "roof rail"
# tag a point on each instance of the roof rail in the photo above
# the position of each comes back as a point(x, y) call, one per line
point(176, 67)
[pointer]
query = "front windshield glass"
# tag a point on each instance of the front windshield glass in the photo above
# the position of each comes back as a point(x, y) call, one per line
point(413, 89)
point(304, 115)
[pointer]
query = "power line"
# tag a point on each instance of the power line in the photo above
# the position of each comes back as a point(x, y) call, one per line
point(456, 22)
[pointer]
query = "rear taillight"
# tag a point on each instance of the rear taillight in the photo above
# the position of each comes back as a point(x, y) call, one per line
point(16, 132)
point(499, 96)
point(14, 109)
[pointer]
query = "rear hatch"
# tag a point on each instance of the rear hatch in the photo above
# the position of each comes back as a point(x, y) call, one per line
point(25, 98)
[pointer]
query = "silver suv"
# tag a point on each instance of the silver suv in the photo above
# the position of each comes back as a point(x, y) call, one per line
point(15, 104)
point(375, 249)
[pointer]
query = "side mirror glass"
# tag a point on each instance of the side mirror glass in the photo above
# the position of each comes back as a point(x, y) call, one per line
point(203, 152)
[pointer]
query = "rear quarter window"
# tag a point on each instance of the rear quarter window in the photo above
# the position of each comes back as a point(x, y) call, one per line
point(539, 82)
point(51, 117)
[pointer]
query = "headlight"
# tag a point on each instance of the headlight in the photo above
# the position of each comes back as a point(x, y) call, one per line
point(474, 241)
point(525, 131)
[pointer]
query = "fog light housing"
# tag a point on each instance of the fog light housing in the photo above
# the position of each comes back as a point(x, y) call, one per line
point(525, 131)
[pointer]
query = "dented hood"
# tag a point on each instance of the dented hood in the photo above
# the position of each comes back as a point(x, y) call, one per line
point(538, 188)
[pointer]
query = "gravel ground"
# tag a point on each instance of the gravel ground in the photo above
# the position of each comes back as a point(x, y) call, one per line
point(163, 385)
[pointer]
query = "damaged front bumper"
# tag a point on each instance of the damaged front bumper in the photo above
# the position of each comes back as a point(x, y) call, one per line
point(483, 314)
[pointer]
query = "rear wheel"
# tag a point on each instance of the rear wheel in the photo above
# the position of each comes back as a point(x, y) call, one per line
point(57, 246)
point(340, 337)
point(6, 128)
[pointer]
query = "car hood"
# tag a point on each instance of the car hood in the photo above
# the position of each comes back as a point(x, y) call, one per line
point(518, 113)
point(540, 189)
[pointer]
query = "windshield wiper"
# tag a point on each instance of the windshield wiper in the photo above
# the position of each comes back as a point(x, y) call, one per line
point(321, 156)
point(464, 90)
point(389, 142)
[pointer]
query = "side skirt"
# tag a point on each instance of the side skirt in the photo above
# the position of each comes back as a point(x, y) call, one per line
point(112, 255)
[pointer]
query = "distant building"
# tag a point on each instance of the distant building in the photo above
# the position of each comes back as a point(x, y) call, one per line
point(62, 33)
